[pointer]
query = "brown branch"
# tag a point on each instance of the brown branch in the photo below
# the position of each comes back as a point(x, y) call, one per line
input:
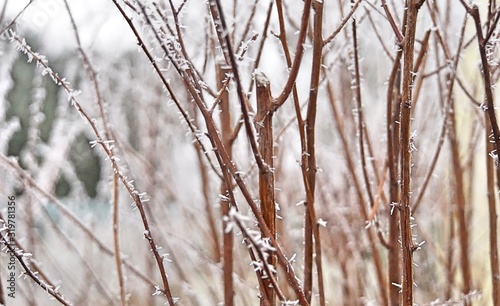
point(116, 240)
point(459, 200)
point(13, 22)
point(359, 106)
point(226, 45)
point(264, 126)
point(458, 171)
point(2, 15)
point(361, 142)
point(227, 165)
point(107, 148)
point(262, 42)
point(493, 216)
point(407, 245)
point(379, 37)
point(20, 256)
point(247, 24)
point(310, 167)
point(270, 279)
point(378, 196)
point(446, 105)
point(91, 72)
point(487, 84)
point(166, 83)
point(352, 171)
point(299, 52)
point(68, 214)
point(394, 27)
point(393, 149)
point(482, 44)
point(193, 72)
point(227, 237)
point(308, 243)
point(342, 23)
point(492, 26)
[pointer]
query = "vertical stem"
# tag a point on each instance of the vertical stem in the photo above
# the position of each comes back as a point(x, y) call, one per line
point(205, 188)
point(393, 164)
point(2, 298)
point(362, 207)
point(228, 238)
point(116, 240)
point(450, 259)
point(459, 201)
point(308, 249)
point(226, 45)
point(495, 270)
point(311, 168)
point(495, 130)
point(407, 245)
point(359, 106)
point(493, 148)
point(458, 170)
point(308, 243)
point(309, 156)
point(264, 127)
point(299, 51)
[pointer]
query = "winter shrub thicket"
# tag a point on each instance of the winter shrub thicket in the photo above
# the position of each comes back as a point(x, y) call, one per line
point(245, 152)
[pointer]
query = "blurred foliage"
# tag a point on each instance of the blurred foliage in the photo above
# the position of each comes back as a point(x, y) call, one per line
point(20, 98)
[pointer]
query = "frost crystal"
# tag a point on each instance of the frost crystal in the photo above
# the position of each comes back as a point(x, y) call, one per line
point(321, 222)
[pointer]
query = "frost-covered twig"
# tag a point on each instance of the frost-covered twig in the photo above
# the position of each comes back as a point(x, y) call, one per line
point(407, 244)
point(2, 15)
point(91, 72)
point(342, 24)
point(11, 24)
point(21, 256)
point(299, 52)
point(137, 197)
point(493, 128)
point(24, 176)
point(263, 248)
point(225, 161)
point(226, 45)
point(168, 87)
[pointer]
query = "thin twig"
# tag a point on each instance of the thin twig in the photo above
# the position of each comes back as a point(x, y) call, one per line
point(342, 23)
point(23, 175)
point(394, 27)
point(230, 58)
point(108, 149)
point(20, 256)
point(227, 165)
point(109, 135)
point(299, 52)
point(11, 24)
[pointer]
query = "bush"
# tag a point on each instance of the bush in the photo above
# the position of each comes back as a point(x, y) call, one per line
point(351, 148)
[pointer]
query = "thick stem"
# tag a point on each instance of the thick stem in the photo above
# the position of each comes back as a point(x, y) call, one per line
point(394, 98)
point(264, 127)
point(459, 201)
point(406, 238)
point(227, 238)
point(495, 270)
